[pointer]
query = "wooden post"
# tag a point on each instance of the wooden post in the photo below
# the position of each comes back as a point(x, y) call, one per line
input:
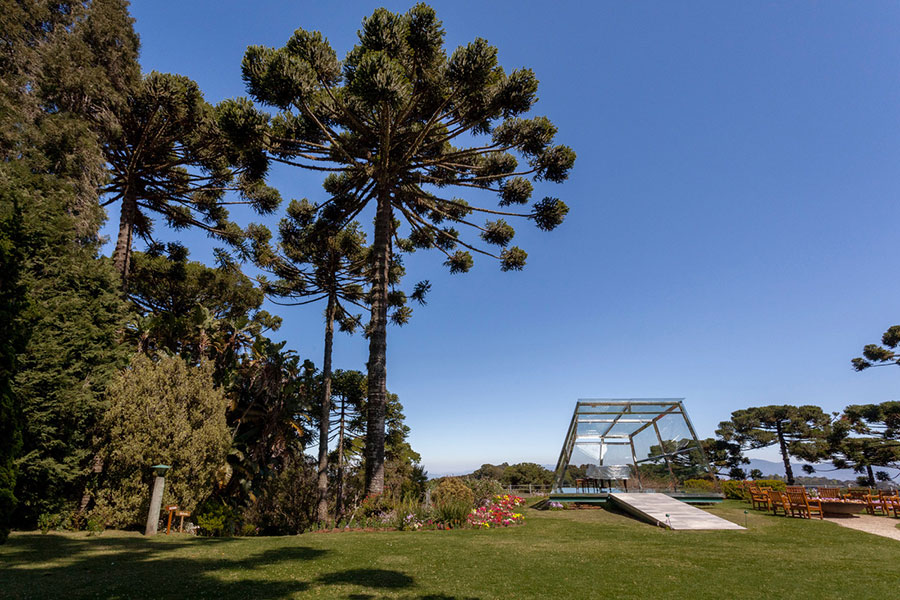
point(171, 508)
point(182, 514)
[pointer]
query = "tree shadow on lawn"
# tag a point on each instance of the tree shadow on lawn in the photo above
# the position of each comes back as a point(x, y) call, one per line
point(37, 566)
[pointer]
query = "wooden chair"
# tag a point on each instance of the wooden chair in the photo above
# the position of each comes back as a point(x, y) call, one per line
point(881, 504)
point(778, 501)
point(758, 498)
point(890, 501)
point(856, 493)
point(803, 505)
point(829, 492)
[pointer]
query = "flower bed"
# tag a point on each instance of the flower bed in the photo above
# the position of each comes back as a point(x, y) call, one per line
point(500, 512)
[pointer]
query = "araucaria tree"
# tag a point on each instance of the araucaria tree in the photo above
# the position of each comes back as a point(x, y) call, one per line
point(879, 356)
point(317, 262)
point(167, 158)
point(798, 430)
point(382, 124)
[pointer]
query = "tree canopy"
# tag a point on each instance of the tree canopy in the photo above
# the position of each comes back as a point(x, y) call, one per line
point(883, 355)
point(797, 430)
point(382, 125)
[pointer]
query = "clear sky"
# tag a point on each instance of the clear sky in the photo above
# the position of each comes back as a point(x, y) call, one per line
point(732, 209)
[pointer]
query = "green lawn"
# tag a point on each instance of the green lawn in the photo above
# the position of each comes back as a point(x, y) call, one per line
point(565, 554)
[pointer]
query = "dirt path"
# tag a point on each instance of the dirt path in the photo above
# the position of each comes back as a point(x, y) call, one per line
point(883, 526)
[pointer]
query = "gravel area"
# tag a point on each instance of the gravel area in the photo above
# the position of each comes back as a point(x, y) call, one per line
point(883, 526)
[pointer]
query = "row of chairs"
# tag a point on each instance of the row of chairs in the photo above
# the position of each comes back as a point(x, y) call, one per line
point(796, 500)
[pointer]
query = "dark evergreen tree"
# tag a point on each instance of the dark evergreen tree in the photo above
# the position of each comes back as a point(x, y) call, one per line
point(13, 301)
point(725, 456)
point(76, 317)
point(195, 311)
point(880, 356)
point(382, 124)
point(866, 436)
point(797, 430)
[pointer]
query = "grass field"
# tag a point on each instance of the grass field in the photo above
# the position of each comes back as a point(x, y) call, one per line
point(562, 554)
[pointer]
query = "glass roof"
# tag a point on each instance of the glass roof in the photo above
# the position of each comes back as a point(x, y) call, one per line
point(649, 437)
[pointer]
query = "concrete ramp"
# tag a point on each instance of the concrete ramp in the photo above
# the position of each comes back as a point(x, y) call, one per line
point(654, 507)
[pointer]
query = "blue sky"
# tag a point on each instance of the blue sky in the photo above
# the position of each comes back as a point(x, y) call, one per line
point(730, 234)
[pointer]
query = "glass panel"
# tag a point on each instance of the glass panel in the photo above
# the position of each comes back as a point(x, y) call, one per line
point(628, 425)
point(649, 408)
point(688, 464)
point(675, 433)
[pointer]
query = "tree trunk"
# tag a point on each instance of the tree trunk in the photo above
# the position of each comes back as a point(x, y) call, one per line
point(122, 254)
point(789, 473)
point(325, 415)
point(871, 475)
point(339, 491)
point(377, 366)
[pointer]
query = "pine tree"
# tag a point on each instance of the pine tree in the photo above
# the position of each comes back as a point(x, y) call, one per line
point(13, 299)
point(76, 315)
point(316, 262)
point(797, 430)
point(166, 158)
point(382, 124)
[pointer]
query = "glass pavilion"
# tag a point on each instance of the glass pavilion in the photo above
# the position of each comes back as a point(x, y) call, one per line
point(641, 444)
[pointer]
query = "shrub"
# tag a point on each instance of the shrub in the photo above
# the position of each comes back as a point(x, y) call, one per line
point(452, 511)
point(161, 412)
point(409, 515)
point(734, 488)
point(217, 519)
point(701, 485)
point(453, 488)
point(484, 489)
point(286, 502)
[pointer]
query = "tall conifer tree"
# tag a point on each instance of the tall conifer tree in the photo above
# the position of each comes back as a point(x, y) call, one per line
point(382, 124)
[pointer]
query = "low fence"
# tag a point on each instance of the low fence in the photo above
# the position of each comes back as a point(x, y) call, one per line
point(528, 490)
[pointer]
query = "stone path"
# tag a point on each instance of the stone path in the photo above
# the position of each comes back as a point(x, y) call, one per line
point(681, 515)
point(883, 526)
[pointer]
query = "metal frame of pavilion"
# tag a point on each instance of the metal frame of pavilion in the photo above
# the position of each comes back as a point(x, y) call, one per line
point(601, 425)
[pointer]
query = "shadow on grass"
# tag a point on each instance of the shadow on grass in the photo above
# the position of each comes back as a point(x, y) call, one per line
point(53, 566)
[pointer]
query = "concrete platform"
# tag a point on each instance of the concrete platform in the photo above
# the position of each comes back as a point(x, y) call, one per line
point(654, 507)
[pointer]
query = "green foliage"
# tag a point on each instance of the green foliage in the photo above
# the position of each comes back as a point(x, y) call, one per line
point(878, 356)
point(452, 511)
point(452, 489)
point(484, 490)
point(286, 501)
point(194, 311)
point(167, 159)
point(866, 436)
point(161, 412)
point(13, 301)
point(525, 474)
point(382, 121)
point(75, 318)
point(734, 489)
point(270, 395)
point(798, 431)
point(699, 485)
point(216, 519)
